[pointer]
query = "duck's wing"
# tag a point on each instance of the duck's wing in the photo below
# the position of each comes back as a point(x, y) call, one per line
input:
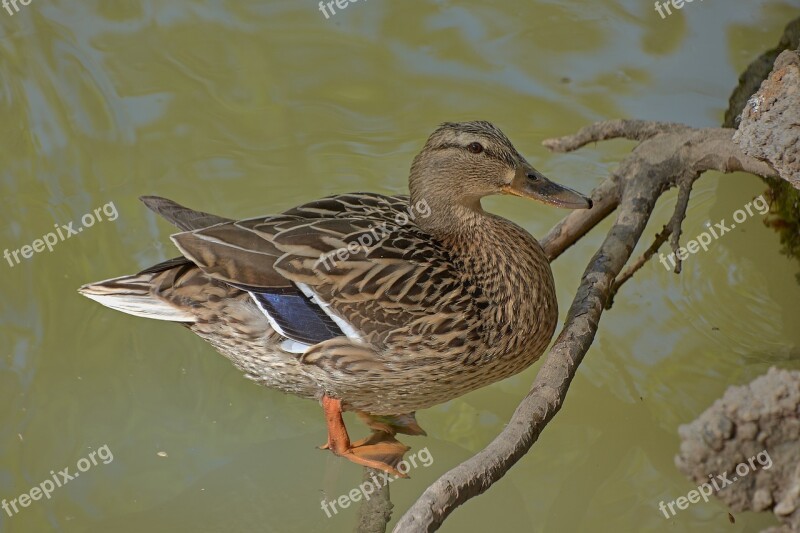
point(345, 259)
point(357, 205)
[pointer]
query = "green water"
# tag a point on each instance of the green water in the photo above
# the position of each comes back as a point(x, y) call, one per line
point(247, 108)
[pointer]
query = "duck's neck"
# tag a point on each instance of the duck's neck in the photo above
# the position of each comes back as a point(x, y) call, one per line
point(503, 260)
point(445, 218)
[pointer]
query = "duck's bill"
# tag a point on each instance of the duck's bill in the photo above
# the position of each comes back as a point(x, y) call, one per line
point(530, 183)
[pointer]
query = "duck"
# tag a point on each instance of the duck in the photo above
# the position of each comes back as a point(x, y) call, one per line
point(382, 305)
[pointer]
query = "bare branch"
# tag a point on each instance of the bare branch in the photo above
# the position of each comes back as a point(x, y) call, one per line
point(669, 154)
point(660, 239)
point(375, 512)
point(578, 223)
point(549, 388)
point(634, 130)
point(675, 223)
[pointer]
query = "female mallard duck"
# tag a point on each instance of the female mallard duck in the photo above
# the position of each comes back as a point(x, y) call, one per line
point(378, 304)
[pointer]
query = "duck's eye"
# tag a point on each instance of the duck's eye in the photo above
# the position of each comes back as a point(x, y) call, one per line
point(475, 147)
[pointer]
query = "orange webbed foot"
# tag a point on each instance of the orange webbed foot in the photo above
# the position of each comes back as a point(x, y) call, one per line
point(380, 450)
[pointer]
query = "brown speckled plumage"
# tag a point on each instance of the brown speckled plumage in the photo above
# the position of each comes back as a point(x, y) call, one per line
point(450, 301)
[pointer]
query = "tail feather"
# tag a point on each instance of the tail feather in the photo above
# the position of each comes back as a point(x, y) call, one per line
point(134, 295)
point(183, 217)
point(138, 294)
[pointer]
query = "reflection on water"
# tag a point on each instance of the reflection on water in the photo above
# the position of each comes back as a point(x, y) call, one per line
point(248, 108)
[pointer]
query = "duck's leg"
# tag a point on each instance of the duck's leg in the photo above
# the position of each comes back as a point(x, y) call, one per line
point(380, 450)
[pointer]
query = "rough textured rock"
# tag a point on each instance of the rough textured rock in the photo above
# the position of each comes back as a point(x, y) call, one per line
point(747, 421)
point(784, 215)
point(770, 125)
point(757, 71)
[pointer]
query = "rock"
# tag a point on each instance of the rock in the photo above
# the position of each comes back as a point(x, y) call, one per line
point(756, 428)
point(770, 126)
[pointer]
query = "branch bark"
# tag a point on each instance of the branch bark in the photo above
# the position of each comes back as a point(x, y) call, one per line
point(667, 154)
point(375, 512)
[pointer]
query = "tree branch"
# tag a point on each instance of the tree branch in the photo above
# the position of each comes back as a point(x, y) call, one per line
point(678, 216)
point(375, 512)
point(633, 130)
point(668, 154)
point(660, 239)
point(579, 222)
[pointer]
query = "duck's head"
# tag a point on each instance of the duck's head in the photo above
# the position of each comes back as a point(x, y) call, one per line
point(464, 161)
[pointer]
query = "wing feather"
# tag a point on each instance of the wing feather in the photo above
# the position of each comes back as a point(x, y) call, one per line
point(348, 255)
